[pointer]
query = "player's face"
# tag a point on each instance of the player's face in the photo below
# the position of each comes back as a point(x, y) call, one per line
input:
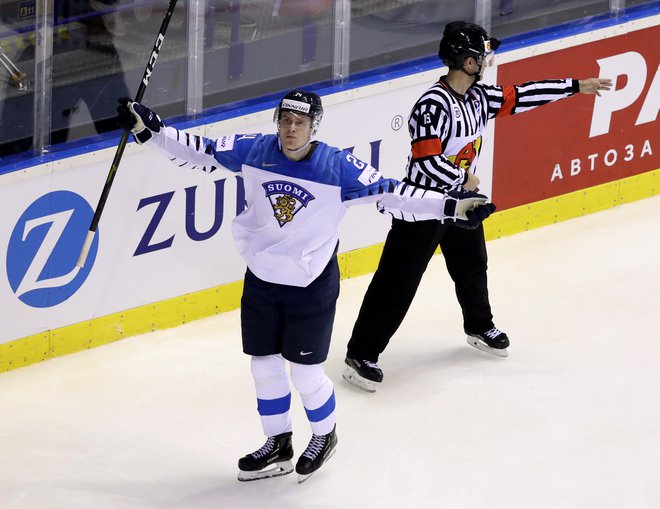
point(295, 130)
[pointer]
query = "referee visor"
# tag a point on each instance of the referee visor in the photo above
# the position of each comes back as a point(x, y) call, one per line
point(488, 57)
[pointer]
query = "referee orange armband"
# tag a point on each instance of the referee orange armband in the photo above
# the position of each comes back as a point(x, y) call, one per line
point(426, 148)
point(509, 101)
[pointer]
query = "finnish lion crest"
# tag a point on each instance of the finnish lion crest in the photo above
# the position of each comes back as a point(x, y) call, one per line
point(287, 199)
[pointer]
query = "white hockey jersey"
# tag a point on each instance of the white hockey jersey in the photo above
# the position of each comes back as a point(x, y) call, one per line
point(288, 231)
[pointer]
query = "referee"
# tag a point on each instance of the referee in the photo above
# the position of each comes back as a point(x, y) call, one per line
point(446, 127)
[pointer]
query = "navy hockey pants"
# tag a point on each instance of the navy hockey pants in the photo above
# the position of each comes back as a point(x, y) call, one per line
point(293, 321)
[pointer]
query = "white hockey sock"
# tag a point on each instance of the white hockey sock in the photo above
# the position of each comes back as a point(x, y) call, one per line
point(317, 394)
point(273, 393)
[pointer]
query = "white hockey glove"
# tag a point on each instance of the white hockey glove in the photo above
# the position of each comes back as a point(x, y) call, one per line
point(139, 119)
point(470, 208)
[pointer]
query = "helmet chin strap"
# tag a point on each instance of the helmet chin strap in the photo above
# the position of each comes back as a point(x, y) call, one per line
point(293, 150)
point(476, 75)
point(296, 150)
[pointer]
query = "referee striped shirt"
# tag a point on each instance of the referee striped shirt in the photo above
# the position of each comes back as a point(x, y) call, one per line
point(446, 128)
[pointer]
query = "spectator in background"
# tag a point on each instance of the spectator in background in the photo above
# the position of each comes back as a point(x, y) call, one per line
point(86, 70)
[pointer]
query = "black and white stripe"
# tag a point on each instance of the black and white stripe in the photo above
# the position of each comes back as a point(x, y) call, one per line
point(532, 94)
point(441, 113)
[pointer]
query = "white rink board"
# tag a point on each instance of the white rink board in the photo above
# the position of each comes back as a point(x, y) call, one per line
point(119, 280)
point(147, 204)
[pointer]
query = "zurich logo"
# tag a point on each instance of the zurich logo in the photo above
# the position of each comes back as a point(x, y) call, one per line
point(44, 247)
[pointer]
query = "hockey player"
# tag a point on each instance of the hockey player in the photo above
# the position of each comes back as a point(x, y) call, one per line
point(446, 126)
point(297, 191)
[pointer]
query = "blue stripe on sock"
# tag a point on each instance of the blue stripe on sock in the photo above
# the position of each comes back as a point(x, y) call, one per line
point(274, 406)
point(323, 411)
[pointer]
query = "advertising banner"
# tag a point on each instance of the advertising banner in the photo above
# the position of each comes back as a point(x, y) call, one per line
point(584, 140)
point(162, 231)
point(165, 231)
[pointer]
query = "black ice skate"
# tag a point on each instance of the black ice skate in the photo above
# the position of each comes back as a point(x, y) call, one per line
point(272, 460)
point(491, 341)
point(320, 449)
point(365, 375)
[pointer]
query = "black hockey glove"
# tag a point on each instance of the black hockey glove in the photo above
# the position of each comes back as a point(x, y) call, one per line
point(471, 208)
point(476, 216)
point(139, 119)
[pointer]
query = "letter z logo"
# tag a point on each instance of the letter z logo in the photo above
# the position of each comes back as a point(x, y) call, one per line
point(44, 246)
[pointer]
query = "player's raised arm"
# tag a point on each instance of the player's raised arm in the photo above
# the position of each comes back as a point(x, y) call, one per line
point(183, 149)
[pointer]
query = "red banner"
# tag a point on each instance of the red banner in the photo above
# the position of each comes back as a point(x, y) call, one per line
point(584, 140)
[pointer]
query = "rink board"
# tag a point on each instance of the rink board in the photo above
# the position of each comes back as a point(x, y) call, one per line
point(164, 255)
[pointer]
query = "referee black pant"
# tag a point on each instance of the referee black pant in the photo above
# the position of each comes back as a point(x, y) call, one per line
point(406, 254)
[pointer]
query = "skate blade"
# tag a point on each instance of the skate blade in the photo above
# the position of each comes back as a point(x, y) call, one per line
point(480, 345)
point(276, 470)
point(303, 477)
point(352, 377)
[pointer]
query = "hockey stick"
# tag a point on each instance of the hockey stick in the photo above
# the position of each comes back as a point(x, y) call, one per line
point(124, 137)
